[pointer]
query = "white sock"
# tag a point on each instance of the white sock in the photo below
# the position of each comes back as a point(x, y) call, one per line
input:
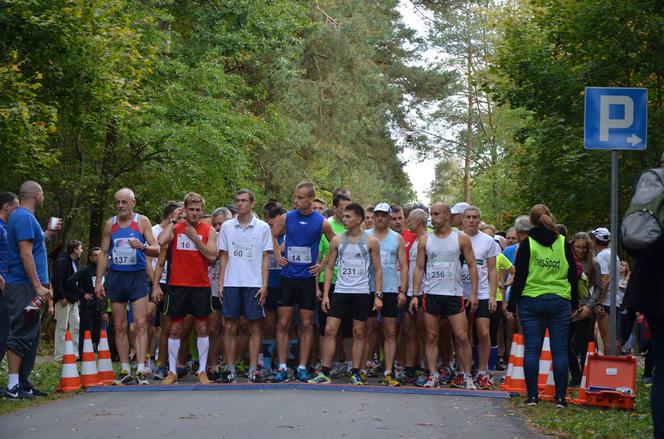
point(283, 366)
point(252, 369)
point(13, 380)
point(173, 349)
point(125, 367)
point(140, 367)
point(302, 366)
point(261, 359)
point(203, 345)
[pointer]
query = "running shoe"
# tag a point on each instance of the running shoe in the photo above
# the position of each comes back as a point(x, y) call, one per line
point(356, 380)
point(282, 375)
point(182, 371)
point(337, 371)
point(213, 375)
point(421, 380)
point(203, 378)
point(229, 378)
point(171, 378)
point(399, 374)
point(432, 382)
point(124, 379)
point(531, 401)
point(458, 381)
point(388, 380)
point(252, 376)
point(263, 375)
point(33, 391)
point(320, 378)
point(469, 383)
point(560, 403)
point(142, 379)
point(160, 373)
point(302, 375)
point(445, 375)
point(364, 377)
point(483, 381)
point(17, 393)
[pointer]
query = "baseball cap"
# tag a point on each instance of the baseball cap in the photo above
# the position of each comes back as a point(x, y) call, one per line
point(458, 208)
point(602, 234)
point(382, 207)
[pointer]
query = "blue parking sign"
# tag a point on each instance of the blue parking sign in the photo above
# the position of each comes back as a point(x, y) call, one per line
point(616, 118)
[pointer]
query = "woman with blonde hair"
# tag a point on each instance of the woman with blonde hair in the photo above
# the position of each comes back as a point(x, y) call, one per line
point(545, 290)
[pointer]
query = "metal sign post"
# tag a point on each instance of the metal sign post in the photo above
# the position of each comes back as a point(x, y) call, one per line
point(615, 119)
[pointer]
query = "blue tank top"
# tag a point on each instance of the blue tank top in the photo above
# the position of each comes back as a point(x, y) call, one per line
point(389, 248)
point(123, 257)
point(274, 275)
point(303, 234)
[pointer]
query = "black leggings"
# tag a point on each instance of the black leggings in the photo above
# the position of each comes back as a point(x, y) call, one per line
point(580, 334)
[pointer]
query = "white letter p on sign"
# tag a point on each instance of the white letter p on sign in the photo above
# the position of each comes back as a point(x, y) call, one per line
point(606, 123)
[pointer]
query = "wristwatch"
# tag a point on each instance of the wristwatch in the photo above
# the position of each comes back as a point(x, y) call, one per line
point(145, 246)
point(379, 295)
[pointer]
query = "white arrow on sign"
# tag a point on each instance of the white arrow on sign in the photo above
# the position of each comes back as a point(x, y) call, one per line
point(634, 139)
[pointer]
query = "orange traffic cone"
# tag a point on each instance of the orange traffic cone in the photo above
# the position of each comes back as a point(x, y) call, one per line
point(104, 363)
point(69, 379)
point(518, 378)
point(510, 365)
point(548, 393)
point(89, 375)
point(545, 362)
point(581, 398)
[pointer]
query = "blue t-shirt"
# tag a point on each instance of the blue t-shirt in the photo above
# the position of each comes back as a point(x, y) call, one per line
point(303, 234)
point(510, 253)
point(23, 226)
point(4, 264)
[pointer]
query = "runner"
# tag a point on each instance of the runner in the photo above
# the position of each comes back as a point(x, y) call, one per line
point(355, 252)
point(273, 285)
point(485, 250)
point(411, 333)
point(157, 309)
point(336, 222)
point(190, 247)
point(303, 228)
point(601, 240)
point(368, 219)
point(439, 276)
point(127, 238)
point(319, 205)
point(394, 286)
point(244, 246)
point(457, 214)
point(219, 216)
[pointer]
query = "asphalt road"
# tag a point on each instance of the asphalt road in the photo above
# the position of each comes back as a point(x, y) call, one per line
point(266, 414)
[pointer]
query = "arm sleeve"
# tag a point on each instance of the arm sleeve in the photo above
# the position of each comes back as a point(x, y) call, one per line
point(521, 265)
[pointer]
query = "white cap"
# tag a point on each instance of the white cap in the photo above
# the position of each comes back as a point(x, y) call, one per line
point(382, 207)
point(602, 234)
point(458, 208)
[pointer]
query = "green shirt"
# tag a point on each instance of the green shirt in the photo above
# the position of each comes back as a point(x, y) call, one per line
point(547, 270)
point(502, 263)
point(324, 247)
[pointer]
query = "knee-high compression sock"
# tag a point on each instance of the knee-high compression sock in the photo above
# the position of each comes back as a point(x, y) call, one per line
point(173, 349)
point(203, 346)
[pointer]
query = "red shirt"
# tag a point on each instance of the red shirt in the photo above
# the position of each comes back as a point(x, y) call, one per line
point(187, 266)
point(409, 238)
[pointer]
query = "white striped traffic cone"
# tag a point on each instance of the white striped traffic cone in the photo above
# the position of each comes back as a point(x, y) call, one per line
point(104, 363)
point(69, 379)
point(89, 376)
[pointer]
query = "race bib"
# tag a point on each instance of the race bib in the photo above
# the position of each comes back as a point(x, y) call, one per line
point(385, 257)
point(272, 264)
point(164, 274)
point(299, 255)
point(184, 243)
point(442, 268)
point(243, 249)
point(352, 269)
point(123, 254)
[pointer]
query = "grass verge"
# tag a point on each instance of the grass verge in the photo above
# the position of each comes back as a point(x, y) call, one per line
point(580, 421)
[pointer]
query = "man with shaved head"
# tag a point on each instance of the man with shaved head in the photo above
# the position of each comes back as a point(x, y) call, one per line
point(26, 288)
point(438, 279)
point(127, 238)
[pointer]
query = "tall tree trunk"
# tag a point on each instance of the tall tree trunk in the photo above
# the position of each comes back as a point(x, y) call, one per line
point(98, 200)
point(469, 127)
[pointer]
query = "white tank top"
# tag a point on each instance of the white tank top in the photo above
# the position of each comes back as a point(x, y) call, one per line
point(443, 267)
point(354, 261)
point(412, 265)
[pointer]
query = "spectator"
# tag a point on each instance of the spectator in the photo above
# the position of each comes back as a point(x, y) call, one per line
point(66, 299)
point(91, 309)
point(26, 284)
point(8, 203)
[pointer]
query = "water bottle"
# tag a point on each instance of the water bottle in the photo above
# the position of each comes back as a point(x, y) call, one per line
point(34, 304)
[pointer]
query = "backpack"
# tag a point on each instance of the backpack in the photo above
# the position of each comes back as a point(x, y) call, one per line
point(642, 224)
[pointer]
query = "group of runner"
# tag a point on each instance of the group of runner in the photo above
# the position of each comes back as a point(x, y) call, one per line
point(414, 291)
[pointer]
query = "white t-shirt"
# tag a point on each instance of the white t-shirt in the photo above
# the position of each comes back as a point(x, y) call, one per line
point(156, 231)
point(245, 249)
point(604, 260)
point(484, 248)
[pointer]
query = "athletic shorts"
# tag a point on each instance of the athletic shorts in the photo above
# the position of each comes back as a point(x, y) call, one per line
point(301, 292)
point(181, 301)
point(272, 300)
point(127, 286)
point(443, 306)
point(342, 304)
point(242, 301)
point(390, 307)
point(346, 320)
point(482, 311)
point(215, 303)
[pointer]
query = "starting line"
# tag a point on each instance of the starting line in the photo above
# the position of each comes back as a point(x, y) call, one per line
point(305, 387)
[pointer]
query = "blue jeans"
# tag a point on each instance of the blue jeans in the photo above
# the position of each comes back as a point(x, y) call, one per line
point(536, 314)
point(657, 390)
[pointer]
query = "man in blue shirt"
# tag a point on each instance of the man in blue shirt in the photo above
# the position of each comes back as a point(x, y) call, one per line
point(26, 280)
point(8, 203)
